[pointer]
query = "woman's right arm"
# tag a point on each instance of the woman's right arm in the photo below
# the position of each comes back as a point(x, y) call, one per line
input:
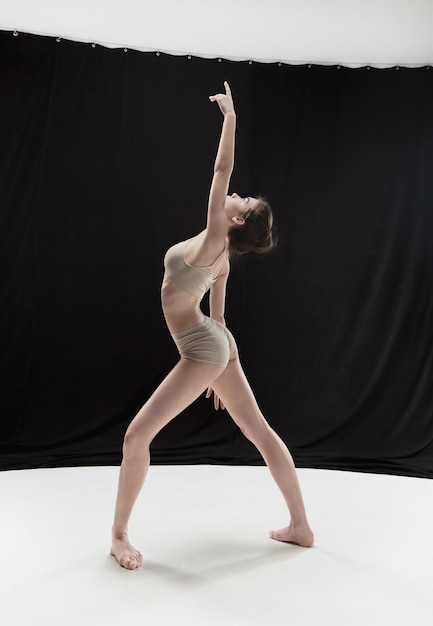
point(224, 162)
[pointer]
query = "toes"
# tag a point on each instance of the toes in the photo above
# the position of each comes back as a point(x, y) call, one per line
point(276, 534)
point(128, 560)
point(130, 563)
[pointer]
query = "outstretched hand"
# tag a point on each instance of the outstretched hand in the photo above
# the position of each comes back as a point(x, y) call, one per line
point(217, 403)
point(225, 101)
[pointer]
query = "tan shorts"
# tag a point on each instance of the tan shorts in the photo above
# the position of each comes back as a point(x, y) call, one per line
point(209, 342)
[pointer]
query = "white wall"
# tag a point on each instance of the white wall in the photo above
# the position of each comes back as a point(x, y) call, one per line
point(349, 32)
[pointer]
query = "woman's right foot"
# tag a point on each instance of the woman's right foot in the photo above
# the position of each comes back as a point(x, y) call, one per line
point(125, 554)
point(299, 536)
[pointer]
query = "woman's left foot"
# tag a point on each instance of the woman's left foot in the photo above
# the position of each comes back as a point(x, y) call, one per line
point(125, 554)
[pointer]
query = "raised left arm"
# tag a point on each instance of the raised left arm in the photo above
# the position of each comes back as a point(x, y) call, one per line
point(216, 227)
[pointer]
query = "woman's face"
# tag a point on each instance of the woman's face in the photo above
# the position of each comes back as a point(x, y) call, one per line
point(235, 206)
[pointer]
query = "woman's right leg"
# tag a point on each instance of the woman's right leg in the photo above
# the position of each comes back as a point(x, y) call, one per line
point(187, 380)
point(235, 392)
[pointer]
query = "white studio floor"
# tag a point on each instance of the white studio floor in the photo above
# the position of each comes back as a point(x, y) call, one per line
point(208, 560)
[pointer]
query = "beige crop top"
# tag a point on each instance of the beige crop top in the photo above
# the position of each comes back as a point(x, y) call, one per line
point(194, 279)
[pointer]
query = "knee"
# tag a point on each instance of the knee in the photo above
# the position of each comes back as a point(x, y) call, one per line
point(134, 443)
point(258, 432)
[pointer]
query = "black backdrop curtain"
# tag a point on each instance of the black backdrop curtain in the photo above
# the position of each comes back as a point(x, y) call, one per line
point(106, 160)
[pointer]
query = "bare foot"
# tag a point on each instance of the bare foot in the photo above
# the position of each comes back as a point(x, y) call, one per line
point(125, 554)
point(300, 536)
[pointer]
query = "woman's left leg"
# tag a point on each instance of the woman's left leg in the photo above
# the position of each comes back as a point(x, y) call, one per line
point(235, 392)
point(186, 381)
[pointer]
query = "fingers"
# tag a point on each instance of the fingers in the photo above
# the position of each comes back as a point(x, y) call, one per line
point(220, 96)
point(216, 97)
point(217, 403)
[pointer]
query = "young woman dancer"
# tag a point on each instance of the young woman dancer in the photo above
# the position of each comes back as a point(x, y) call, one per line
point(208, 353)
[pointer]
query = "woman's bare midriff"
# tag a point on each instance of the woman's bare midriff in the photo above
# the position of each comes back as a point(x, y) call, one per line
point(181, 310)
